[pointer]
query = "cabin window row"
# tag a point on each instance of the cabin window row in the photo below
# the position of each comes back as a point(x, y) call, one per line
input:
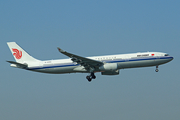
point(105, 58)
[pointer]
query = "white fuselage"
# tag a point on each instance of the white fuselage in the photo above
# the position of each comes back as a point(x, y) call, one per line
point(123, 61)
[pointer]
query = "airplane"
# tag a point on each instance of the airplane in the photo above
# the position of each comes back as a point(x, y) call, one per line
point(107, 65)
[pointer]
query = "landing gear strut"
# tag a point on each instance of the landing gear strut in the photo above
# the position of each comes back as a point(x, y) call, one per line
point(156, 69)
point(90, 77)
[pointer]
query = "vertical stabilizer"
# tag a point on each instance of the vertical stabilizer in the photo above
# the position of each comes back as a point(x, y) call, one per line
point(19, 54)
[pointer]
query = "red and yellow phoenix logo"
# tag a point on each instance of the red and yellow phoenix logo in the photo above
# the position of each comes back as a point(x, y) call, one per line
point(17, 53)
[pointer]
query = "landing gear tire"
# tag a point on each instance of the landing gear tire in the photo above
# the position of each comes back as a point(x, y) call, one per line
point(88, 78)
point(93, 77)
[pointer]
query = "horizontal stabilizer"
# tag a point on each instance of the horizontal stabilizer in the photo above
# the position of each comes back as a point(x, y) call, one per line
point(19, 65)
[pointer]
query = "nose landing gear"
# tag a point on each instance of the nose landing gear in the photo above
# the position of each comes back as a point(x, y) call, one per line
point(90, 77)
point(157, 69)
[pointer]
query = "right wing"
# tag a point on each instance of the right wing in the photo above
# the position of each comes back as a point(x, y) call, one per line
point(89, 64)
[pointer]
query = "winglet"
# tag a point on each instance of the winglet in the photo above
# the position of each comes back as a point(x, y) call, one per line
point(60, 50)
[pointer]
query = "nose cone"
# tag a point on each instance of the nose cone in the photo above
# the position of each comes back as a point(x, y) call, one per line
point(170, 58)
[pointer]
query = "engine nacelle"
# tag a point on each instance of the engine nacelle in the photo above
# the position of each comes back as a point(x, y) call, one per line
point(110, 72)
point(109, 67)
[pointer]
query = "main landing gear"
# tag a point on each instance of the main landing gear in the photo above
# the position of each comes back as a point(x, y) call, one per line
point(156, 69)
point(90, 77)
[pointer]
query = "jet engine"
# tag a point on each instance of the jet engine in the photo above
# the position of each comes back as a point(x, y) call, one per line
point(109, 67)
point(116, 72)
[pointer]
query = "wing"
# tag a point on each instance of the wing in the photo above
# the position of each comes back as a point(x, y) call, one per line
point(89, 64)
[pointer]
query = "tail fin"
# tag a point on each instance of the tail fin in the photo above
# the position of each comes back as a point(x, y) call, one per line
point(19, 54)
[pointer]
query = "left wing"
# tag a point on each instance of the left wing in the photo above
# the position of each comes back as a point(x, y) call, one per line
point(89, 64)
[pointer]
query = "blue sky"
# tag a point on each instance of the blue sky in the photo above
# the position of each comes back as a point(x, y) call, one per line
point(90, 28)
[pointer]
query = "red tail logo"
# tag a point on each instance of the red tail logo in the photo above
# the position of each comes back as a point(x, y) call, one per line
point(17, 53)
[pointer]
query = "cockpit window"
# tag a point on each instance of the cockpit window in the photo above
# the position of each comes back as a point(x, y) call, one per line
point(166, 55)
